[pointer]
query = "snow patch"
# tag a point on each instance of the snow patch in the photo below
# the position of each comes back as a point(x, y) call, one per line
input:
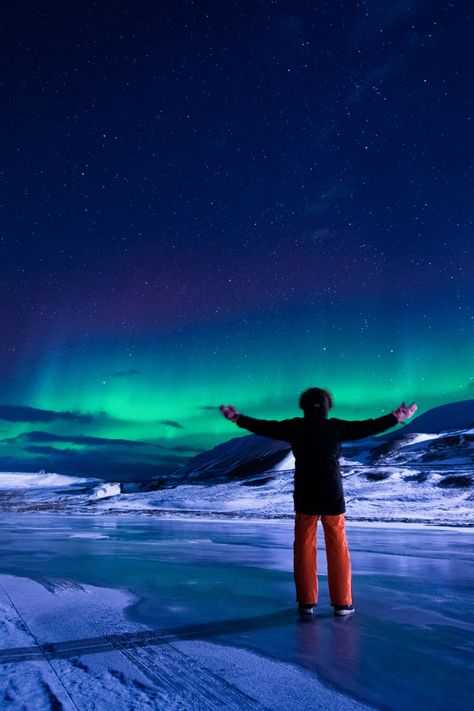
point(418, 437)
point(287, 462)
point(19, 480)
point(106, 490)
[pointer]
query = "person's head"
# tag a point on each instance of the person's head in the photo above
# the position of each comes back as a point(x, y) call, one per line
point(316, 401)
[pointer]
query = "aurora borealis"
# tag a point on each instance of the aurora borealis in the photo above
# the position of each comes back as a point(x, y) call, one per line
point(228, 202)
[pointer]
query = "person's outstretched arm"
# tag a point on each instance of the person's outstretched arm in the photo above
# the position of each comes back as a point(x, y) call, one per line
point(266, 428)
point(358, 429)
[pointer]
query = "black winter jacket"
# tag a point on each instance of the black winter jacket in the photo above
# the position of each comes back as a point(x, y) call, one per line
point(315, 442)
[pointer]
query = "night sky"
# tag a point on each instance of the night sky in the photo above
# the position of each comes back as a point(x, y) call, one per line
point(228, 202)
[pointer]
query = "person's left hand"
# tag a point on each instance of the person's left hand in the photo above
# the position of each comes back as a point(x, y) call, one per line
point(404, 412)
point(229, 412)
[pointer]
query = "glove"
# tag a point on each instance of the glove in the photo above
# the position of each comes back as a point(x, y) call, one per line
point(229, 412)
point(404, 412)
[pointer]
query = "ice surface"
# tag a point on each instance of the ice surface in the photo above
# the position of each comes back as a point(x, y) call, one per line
point(133, 613)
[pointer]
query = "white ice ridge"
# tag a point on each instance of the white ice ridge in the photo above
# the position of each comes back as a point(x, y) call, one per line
point(105, 490)
point(21, 480)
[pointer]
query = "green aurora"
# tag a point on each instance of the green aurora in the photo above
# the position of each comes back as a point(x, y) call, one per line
point(163, 390)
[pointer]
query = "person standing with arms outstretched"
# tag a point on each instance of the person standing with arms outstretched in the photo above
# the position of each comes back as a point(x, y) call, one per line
point(318, 492)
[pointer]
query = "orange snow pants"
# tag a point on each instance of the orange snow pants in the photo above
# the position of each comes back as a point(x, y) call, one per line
point(337, 554)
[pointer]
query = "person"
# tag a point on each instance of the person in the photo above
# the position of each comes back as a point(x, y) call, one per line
point(318, 491)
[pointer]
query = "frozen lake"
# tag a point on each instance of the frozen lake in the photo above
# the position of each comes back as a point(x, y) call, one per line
point(150, 613)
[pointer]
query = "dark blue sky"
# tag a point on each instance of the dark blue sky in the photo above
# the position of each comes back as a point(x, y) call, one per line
point(234, 199)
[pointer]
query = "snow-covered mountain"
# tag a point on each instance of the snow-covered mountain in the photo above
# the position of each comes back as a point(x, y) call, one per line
point(239, 458)
point(453, 416)
point(418, 443)
point(407, 475)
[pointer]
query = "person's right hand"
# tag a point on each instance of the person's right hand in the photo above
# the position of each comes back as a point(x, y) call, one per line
point(404, 412)
point(229, 412)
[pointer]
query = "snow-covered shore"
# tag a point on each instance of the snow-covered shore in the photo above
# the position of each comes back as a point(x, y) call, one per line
point(421, 473)
point(395, 495)
point(73, 647)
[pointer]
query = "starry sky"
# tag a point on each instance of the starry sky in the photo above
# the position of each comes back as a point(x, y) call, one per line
point(206, 203)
